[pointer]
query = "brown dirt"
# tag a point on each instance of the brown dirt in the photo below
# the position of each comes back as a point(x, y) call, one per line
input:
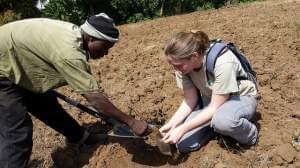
point(138, 80)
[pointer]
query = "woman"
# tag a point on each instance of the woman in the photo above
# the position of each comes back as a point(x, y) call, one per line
point(226, 103)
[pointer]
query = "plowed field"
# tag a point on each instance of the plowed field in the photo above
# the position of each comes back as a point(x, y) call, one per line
point(138, 80)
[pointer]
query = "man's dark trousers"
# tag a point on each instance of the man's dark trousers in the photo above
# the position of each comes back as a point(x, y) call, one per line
point(16, 124)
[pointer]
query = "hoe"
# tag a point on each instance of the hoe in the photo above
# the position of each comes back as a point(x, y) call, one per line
point(119, 129)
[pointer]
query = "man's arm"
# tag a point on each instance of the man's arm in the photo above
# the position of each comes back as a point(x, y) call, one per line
point(102, 104)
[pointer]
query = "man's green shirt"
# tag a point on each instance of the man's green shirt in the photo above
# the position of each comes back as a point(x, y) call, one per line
point(41, 54)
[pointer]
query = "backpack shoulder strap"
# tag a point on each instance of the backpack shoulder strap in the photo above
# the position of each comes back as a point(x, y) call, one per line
point(215, 51)
point(212, 56)
point(243, 60)
point(251, 75)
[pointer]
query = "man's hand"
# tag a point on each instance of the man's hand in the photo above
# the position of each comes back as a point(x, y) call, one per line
point(138, 127)
point(102, 104)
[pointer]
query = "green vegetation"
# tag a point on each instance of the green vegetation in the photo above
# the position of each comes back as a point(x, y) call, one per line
point(74, 11)
point(122, 11)
point(13, 9)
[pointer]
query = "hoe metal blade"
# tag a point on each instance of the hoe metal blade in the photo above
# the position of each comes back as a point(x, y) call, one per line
point(164, 148)
point(119, 130)
point(123, 131)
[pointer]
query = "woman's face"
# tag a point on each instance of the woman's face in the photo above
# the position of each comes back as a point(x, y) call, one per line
point(185, 65)
point(98, 48)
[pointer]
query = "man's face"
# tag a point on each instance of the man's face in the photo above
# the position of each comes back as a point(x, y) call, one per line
point(98, 48)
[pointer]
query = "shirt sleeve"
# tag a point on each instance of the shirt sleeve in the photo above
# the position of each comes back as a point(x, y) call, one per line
point(78, 75)
point(225, 79)
point(183, 81)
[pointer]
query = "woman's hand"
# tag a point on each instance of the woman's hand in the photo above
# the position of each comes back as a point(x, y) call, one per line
point(174, 136)
point(166, 128)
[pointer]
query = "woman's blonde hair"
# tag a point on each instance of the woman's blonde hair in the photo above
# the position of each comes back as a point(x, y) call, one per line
point(183, 44)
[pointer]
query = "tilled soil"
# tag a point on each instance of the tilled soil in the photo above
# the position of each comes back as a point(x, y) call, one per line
point(138, 80)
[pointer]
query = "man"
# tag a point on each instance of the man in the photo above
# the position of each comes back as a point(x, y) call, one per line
point(40, 54)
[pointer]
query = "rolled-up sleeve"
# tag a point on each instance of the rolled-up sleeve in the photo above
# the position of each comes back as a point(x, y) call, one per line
point(225, 79)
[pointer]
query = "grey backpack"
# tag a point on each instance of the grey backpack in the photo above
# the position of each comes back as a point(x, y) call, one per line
point(214, 52)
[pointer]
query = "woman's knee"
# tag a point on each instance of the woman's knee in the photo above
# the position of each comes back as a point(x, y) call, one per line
point(224, 125)
point(185, 146)
point(194, 141)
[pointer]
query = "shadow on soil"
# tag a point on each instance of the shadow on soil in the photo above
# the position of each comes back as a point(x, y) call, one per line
point(142, 153)
point(35, 163)
point(72, 156)
point(149, 155)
